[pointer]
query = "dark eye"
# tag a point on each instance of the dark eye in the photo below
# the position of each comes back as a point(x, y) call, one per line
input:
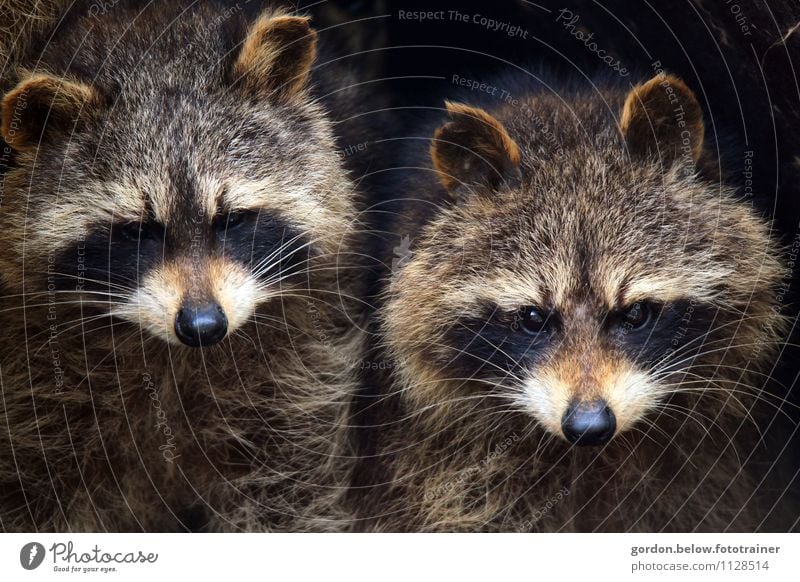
point(532, 319)
point(232, 220)
point(136, 231)
point(637, 316)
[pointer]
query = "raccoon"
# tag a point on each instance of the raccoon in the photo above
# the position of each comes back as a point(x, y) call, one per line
point(175, 255)
point(574, 323)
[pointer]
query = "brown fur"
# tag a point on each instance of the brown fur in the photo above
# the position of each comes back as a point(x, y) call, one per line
point(108, 422)
point(20, 22)
point(647, 119)
point(42, 102)
point(276, 58)
point(472, 140)
point(587, 230)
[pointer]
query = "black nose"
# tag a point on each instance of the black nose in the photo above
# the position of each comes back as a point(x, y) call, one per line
point(201, 325)
point(589, 423)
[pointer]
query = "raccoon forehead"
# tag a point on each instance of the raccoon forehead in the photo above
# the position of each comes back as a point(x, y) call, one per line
point(315, 202)
point(136, 197)
point(151, 196)
point(562, 282)
point(618, 289)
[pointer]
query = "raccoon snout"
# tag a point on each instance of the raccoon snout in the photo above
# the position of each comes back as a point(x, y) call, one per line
point(201, 325)
point(589, 423)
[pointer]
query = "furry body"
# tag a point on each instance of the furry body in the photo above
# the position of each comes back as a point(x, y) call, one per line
point(584, 202)
point(165, 155)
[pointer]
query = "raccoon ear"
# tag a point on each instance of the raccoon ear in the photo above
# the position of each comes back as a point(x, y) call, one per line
point(41, 106)
point(473, 148)
point(276, 57)
point(662, 117)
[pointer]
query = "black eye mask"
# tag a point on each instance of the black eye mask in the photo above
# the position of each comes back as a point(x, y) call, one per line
point(496, 342)
point(264, 244)
point(116, 257)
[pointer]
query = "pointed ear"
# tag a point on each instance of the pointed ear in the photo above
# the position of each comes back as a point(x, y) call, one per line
point(473, 148)
point(276, 57)
point(662, 117)
point(42, 106)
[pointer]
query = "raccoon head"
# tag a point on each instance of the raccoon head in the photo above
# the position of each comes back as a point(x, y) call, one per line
point(178, 186)
point(581, 268)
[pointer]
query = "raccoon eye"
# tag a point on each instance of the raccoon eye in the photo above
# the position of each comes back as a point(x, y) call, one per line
point(136, 231)
point(638, 315)
point(233, 220)
point(531, 319)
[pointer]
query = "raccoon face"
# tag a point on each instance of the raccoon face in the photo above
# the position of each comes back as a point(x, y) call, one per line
point(176, 206)
point(585, 288)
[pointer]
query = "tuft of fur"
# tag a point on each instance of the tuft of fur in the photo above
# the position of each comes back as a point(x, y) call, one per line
point(466, 434)
point(23, 20)
point(646, 119)
point(473, 146)
point(281, 73)
point(108, 422)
